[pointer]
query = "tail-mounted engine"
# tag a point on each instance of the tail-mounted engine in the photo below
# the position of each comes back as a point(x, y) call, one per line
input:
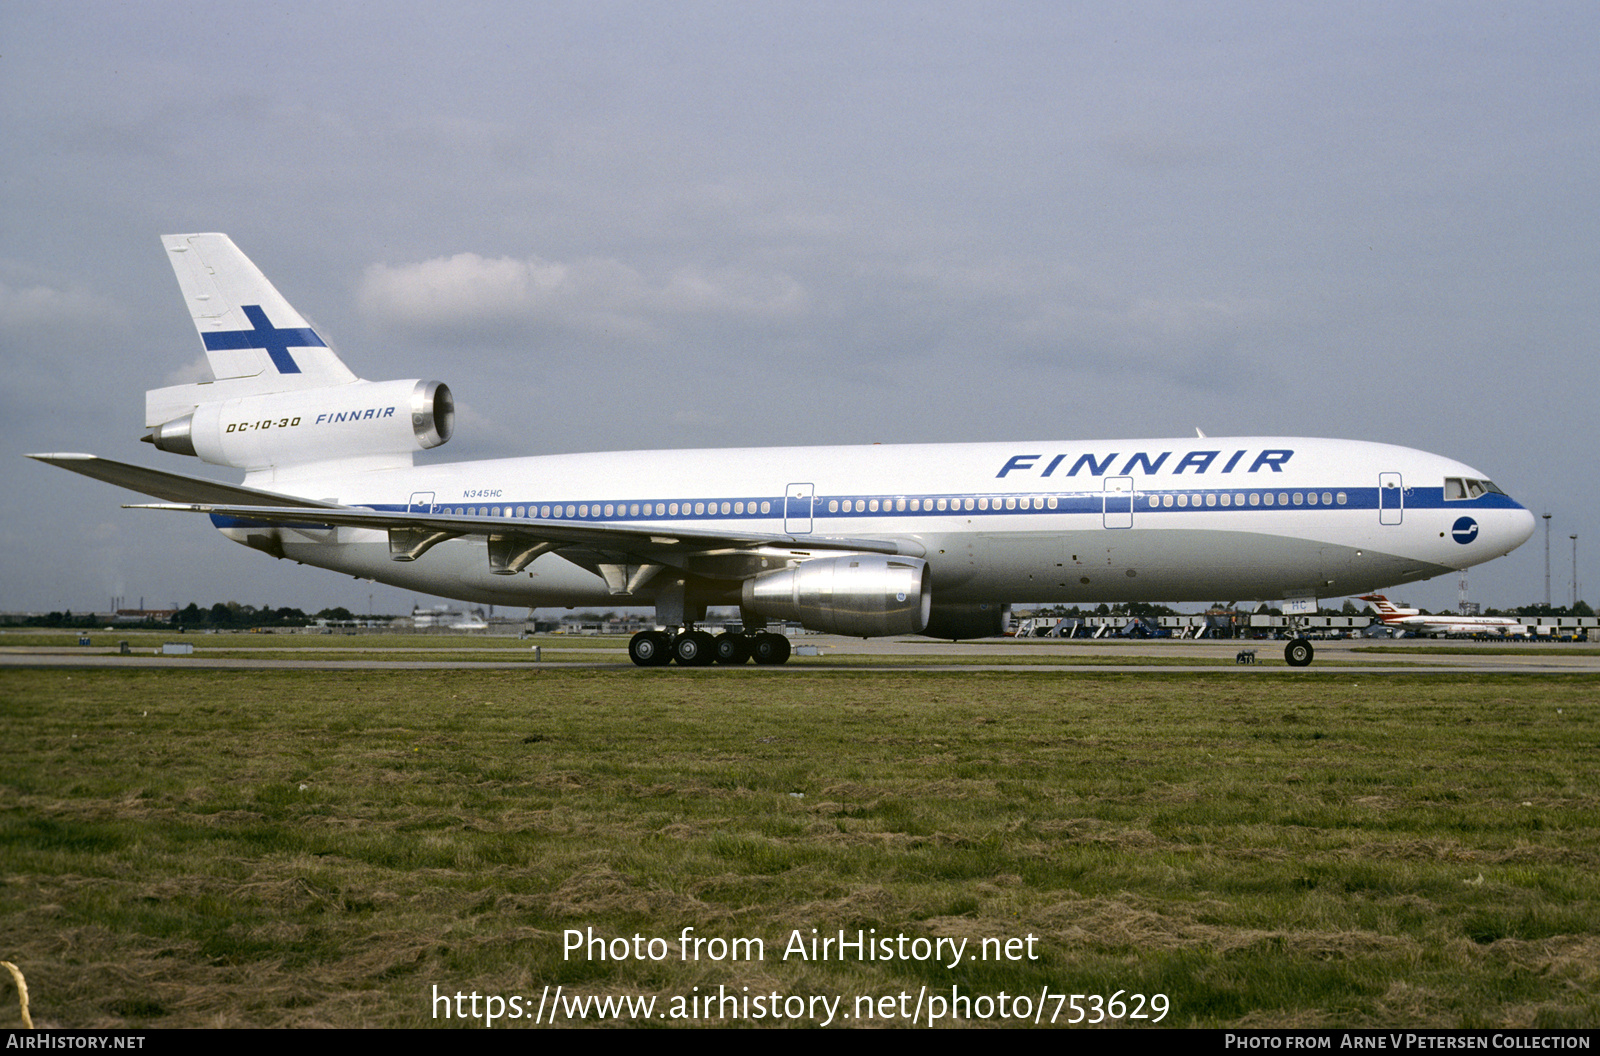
point(862, 595)
point(361, 419)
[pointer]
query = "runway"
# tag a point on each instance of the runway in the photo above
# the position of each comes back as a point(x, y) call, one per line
point(831, 654)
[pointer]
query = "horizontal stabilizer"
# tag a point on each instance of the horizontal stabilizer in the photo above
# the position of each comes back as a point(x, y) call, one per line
point(172, 487)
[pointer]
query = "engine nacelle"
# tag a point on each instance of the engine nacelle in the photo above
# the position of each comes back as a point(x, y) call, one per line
point(956, 622)
point(862, 595)
point(359, 420)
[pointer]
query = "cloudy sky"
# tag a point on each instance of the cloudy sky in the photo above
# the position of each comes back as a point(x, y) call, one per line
point(628, 225)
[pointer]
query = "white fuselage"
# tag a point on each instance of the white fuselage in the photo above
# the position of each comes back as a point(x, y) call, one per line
point(1201, 519)
point(1419, 624)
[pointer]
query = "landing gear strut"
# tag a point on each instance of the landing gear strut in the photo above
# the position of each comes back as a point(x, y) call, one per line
point(700, 649)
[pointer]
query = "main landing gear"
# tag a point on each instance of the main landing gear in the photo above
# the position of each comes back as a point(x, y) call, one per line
point(702, 649)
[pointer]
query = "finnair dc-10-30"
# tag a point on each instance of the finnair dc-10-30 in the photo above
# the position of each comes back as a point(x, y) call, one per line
point(863, 541)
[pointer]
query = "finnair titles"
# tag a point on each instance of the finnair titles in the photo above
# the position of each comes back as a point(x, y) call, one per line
point(1199, 461)
point(931, 539)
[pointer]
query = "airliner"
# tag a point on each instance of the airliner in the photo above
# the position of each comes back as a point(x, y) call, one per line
point(1412, 620)
point(929, 539)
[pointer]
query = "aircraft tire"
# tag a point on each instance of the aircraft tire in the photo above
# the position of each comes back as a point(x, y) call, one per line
point(1298, 653)
point(650, 649)
point(694, 649)
point(730, 649)
point(770, 648)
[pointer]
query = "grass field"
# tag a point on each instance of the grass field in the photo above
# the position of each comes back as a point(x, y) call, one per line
point(185, 848)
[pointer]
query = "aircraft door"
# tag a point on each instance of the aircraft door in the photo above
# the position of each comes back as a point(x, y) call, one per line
point(421, 502)
point(1391, 499)
point(1118, 502)
point(797, 502)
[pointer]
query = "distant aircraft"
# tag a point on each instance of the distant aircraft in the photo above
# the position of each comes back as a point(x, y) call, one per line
point(930, 539)
point(1412, 620)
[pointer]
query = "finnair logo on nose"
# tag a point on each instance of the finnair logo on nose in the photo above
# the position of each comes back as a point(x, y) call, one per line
point(1465, 530)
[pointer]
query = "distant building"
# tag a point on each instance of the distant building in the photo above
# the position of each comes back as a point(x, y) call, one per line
point(140, 615)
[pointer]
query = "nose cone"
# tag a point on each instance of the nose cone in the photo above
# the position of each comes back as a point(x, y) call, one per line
point(1510, 528)
point(1521, 527)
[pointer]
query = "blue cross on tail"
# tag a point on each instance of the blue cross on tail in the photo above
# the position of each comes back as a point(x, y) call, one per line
point(265, 335)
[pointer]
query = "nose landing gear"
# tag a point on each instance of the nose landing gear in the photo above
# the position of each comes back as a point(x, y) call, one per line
point(1298, 653)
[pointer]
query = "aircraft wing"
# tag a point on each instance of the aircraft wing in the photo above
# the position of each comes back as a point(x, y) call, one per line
point(174, 487)
point(411, 534)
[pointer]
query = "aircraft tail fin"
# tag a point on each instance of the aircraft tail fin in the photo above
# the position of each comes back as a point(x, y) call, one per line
point(280, 399)
point(255, 342)
point(249, 330)
point(1387, 610)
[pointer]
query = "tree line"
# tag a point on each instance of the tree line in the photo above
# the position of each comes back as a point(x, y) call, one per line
point(230, 615)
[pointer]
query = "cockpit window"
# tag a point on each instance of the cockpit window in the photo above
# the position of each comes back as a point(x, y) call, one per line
point(1457, 489)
